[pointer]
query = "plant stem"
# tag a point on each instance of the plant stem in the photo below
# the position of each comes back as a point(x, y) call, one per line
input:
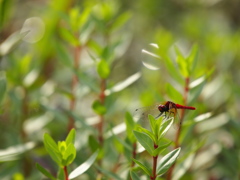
point(77, 52)
point(134, 153)
point(186, 90)
point(101, 123)
point(65, 172)
point(154, 170)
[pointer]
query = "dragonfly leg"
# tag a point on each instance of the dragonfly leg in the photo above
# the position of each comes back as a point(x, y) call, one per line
point(158, 115)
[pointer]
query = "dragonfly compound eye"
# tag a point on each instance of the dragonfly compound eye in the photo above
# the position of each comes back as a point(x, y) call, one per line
point(161, 108)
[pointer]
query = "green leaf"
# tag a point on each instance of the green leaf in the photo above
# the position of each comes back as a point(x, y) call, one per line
point(167, 161)
point(108, 173)
point(62, 146)
point(69, 155)
point(145, 141)
point(69, 37)
point(25, 64)
point(83, 18)
point(173, 93)
point(103, 69)
point(130, 125)
point(119, 142)
point(192, 58)
point(150, 134)
point(143, 167)
point(96, 47)
point(184, 166)
point(63, 55)
point(45, 172)
point(71, 137)
point(99, 108)
point(84, 167)
point(7, 46)
point(134, 176)
point(161, 148)
point(3, 85)
point(165, 127)
point(74, 15)
point(93, 143)
point(172, 69)
point(158, 123)
point(60, 174)
point(124, 84)
point(120, 21)
point(152, 121)
point(182, 63)
point(14, 152)
point(196, 89)
point(52, 149)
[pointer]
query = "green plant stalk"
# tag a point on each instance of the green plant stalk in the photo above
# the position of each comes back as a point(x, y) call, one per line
point(186, 90)
point(65, 172)
point(75, 81)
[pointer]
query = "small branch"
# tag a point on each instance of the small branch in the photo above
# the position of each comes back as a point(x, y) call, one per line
point(186, 90)
point(134, 153)
point(77, 52)
point(101, 117)
point(65, 172)
point(154, 170)
point(102, 100)
point(185, 95)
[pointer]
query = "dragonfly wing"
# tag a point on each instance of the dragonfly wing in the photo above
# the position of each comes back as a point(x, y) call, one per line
point(141, 114)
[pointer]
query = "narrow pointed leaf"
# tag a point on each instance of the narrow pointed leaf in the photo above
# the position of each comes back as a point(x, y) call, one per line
point(103, 69)
point(52, 148)
point(93, 143)
point(150, 134)
point(45, 172)
point(161, 148)
point(71, 137)
point(173, 93)
point(182, 63)
point(69, 154)
point(7, 46)
point(134, 176)
point(98, 107)
point(167, 161)
point(145, 141)
point(83, 167)
point(152, 121)
point(165, 127)
point(192, 58)
point(143, 167)
point(130, 124)
point(108, 173)
point(122, 85)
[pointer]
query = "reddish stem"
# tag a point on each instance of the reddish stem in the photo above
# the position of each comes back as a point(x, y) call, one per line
point(101, 117)
point(65, 172)
point(186, 90)
point(134, 153)
point(154, 170)
point(77, 52)
point(101, 123)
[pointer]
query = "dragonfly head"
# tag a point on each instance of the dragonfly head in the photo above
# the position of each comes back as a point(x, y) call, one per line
point(162, 108)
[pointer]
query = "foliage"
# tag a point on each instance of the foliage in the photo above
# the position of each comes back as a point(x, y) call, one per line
point(83, 64)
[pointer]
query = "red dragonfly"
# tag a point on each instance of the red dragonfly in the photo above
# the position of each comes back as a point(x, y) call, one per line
point(168, 108)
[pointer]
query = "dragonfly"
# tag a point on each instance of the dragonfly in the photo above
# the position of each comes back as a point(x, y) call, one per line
point(165, 109)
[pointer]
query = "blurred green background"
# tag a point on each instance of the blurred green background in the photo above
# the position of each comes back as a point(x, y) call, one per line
point(50, 77)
